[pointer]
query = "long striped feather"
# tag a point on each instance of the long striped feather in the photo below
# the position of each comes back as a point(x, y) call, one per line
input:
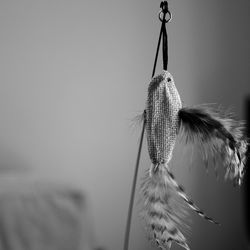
point(180, 190)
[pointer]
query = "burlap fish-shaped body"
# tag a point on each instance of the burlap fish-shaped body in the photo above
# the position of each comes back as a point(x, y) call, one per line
point(165, 119)
point(163, 105)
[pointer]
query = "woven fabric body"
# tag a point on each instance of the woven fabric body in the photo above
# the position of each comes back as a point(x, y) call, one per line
point(162, 122)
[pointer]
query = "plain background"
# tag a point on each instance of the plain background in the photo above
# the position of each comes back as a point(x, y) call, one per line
point(73, 74)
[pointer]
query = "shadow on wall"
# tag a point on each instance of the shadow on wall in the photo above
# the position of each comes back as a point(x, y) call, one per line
point(247, 175)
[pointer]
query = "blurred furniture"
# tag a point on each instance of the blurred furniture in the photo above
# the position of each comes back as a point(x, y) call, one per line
point(43, 217)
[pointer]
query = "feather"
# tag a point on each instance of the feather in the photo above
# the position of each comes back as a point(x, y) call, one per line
point(162, 210)
point(138, 119)
point(217, 134)
point(180, 190)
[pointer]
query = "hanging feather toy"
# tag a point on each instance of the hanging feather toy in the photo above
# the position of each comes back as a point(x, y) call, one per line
point(165, 120)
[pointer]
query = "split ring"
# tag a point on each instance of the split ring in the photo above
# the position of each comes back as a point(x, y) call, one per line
point(161, 16)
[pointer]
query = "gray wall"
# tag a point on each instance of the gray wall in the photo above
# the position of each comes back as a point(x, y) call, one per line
point(73, 74)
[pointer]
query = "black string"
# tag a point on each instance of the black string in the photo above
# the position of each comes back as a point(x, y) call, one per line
point(165, 46)
point(163, 36)
point(157, 50)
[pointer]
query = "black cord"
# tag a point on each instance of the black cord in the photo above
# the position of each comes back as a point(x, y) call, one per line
point(165, 46)
point(157, 50)
point(163, 36)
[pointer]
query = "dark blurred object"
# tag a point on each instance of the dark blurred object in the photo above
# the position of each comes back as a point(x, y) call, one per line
point(247, 174)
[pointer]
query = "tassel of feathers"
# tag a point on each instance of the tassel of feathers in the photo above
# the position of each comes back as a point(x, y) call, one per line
point(163, 210)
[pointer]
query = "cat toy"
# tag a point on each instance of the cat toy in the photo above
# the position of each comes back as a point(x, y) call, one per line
point(217, 134)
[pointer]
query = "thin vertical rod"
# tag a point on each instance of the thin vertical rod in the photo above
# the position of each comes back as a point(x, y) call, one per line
point(131, 204)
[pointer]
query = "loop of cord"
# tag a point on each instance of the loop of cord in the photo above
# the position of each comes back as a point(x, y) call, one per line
point(165, 10)
point(163, 36)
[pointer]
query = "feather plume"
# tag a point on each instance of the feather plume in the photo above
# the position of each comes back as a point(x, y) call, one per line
point(217, 134)
point(181, 192)
point(163, 211)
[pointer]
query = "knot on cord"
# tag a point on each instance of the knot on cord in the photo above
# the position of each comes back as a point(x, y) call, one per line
point(164, 12)
point(164, 7)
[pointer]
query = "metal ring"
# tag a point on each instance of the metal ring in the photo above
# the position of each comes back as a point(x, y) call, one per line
point(165, 20)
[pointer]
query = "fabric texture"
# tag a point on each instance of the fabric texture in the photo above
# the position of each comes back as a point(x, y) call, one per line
point(162, 122)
